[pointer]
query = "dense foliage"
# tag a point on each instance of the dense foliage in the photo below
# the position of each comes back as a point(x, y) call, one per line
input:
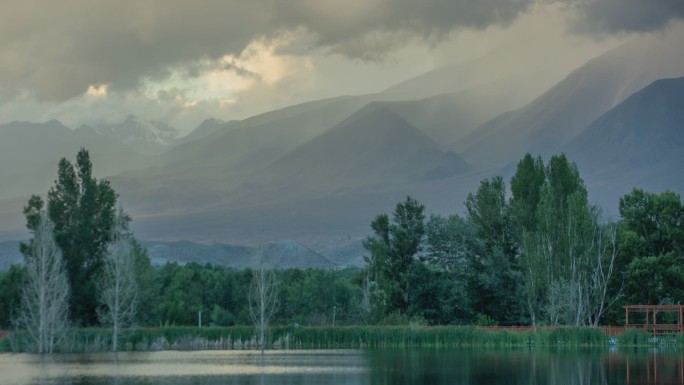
point(541, 254)
point(82, 209)
point(544, 256)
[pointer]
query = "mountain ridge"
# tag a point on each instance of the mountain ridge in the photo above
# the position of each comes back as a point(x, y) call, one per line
point(554, 118)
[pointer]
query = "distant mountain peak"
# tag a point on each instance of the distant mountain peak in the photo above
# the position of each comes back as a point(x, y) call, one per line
point(646, 128)
point(373, 144)
point(133, 130)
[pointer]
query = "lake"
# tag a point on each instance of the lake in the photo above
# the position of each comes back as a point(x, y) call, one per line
point(387, 366)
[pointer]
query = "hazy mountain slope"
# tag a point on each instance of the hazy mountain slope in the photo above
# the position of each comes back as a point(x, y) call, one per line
point(448, 118)
point(257, 141)
point(9, 254)
point(468, 102)
point(133, 130)
point(30, 152)
point(531, 78)
point(206, 128)
point(281, 255)
point(373, 149)
point(557, 116)
point(12, 220)
point(639, 143)
point(372, 146)
point(213, 169)
point(443, 80)
point(146, 137)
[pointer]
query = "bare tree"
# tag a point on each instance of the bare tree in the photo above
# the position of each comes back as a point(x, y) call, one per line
point(606, 252)
point(45, 295)
point(263, 298)
point(579, 292)
point(119, 291)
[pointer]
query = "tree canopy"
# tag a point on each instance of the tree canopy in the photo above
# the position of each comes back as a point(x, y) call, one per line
point(82, 210)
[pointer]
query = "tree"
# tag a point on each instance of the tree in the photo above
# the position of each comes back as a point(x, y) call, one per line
point(45, 295)
point(652, 224)
point(393, 250)
point(447, 242)
point(652, 246)
point(568, 255)
point(604, 295)
point(10, 294)
point(82, 210)
point(526, 187)
point(263, 298)
point(494, 278)
point(119, 290)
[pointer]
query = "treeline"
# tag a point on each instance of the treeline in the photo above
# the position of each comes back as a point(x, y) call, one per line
point(540, 255)
point(535, 251)
point(175, 295)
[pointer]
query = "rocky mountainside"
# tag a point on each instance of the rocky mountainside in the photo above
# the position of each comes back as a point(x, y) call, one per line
point(638, 143)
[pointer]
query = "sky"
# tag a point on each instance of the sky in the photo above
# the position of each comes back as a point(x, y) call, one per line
point(177, 61)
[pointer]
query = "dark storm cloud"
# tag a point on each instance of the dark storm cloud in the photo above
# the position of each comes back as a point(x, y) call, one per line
point(610, 16)
point(344, 22)
point(56, 49)
point(53, 50)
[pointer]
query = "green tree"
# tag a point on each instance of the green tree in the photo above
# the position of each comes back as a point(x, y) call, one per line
point(568, 256)
point(656, 280)
point(526, 187)
point(437, 296)
point(558, 244)
point(652, 246)
point(393, 249)
point(494, 278)
point(82, 209)
point(448, 242)
point(10, 294)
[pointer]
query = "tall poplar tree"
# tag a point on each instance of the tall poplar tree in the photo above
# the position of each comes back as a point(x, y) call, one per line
point(393, 250)
point(82, 209)
point(494, 278)
point(567, 254)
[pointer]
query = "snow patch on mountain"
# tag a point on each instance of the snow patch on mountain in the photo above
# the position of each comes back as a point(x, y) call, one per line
point(133, 130)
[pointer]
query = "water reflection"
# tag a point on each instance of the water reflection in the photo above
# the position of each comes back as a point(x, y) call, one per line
point(417, 366)
point(572, 367)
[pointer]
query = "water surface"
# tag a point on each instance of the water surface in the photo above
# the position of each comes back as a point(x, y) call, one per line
point(387, 366)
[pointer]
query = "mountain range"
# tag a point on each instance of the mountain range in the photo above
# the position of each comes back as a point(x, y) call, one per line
point(144, 136)
point(316, 174)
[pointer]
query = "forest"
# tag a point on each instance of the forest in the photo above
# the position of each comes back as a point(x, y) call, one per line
point(534, 251)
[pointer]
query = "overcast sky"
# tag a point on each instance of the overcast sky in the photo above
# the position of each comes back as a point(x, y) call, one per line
point(184, 61)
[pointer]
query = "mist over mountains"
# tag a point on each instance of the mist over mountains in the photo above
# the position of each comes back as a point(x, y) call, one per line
point(317, 173)
point(144, 136)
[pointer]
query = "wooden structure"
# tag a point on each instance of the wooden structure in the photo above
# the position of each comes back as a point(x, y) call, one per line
point(651, 319)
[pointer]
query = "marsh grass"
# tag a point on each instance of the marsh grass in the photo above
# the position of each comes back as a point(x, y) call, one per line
point(341, 337)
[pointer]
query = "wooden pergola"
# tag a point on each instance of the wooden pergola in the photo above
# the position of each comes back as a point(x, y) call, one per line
point(651, 321)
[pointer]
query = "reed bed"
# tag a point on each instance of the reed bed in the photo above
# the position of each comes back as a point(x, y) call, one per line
point(341, 337)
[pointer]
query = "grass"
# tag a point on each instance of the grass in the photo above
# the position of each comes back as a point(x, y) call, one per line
point(345, 337)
